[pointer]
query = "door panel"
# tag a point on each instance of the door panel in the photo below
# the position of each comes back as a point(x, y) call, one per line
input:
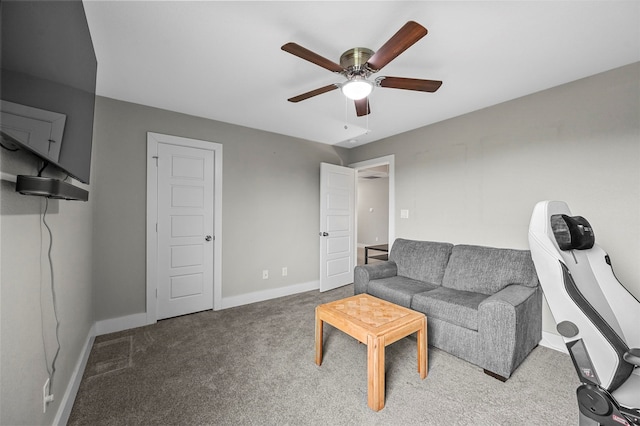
point(338, 267)
point(338, 245)
point(185, 196)
point(187, 226)
point(185, 218)
point(337, 225)
point(186, 285)
point(182, 256)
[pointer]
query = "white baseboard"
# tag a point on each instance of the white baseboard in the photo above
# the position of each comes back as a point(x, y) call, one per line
point(260, 296)
point(121, 323)
point(553, 341)
point(127, 322)
point(69, 397)
point(97, 329)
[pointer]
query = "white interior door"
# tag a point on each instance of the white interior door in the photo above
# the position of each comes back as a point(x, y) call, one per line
point(337, 225)
point(185, 230)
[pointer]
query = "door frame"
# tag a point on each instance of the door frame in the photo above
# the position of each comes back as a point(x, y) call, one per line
point(380, 161)
point(153, 139)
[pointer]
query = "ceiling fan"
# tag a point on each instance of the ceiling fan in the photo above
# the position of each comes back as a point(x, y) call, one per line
point(359, 63)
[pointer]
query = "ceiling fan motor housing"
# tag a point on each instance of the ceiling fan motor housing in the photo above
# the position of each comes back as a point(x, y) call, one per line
point(354, 62)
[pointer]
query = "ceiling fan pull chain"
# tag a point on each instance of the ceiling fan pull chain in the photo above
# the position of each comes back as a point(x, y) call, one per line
point(367, 117)
point(345, 113)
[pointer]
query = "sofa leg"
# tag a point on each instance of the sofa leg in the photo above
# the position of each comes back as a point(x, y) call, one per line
point(494, 375)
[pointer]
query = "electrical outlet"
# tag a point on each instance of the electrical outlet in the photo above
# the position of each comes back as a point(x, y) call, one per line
point(47, 397)
point(265, 274)
point(284, 271)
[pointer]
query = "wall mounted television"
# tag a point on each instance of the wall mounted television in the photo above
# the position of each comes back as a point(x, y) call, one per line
point(48, 77)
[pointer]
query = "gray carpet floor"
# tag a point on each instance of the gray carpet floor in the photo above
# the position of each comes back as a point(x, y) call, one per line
point(254, 365)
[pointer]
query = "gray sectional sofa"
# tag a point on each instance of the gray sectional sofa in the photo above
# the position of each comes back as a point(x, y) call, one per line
point(483, 304)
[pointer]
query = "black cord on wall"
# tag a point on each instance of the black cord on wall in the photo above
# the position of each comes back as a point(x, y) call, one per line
point(44, 166)
point(51, 370)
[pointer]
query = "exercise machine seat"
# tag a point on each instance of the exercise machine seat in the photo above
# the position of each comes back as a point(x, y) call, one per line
point(597, 317)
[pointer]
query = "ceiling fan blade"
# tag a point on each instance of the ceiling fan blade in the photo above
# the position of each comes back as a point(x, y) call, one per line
point(409, 83)
point(313, 93)
point(410, 33)
point(362, 107)
point(307, 55)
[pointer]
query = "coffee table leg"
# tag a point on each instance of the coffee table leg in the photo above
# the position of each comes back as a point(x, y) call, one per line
point(375, 372)
point(319, 324)
point(423, 362)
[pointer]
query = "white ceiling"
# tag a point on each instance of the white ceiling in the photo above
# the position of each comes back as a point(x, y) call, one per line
point(222, 60)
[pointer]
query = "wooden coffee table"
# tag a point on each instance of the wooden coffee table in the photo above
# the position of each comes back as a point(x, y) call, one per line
point(377, 323)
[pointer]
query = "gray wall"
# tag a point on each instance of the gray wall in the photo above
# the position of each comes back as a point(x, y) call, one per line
point(270, 202)
point(25, 287)
point(373, 226)
point(476, 178)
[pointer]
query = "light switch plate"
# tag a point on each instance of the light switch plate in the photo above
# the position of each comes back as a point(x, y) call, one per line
point(404, 214)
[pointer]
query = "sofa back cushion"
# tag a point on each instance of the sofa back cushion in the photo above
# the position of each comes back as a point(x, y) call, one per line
point(421, 260)
point(488, 270)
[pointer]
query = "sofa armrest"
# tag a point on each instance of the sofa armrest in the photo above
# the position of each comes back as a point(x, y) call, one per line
point(509, 326)
point(513, 295)
point(365, 273)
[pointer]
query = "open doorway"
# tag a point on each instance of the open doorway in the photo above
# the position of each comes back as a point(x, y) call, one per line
point(375, 206)
point(372, 212)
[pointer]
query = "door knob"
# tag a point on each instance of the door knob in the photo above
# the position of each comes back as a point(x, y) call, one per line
point(207, 238)
point(324, 234)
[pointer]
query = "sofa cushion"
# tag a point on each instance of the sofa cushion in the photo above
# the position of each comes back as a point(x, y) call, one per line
point(453, 306)
point(488, 270)
point(421, 260)
point(398, 290)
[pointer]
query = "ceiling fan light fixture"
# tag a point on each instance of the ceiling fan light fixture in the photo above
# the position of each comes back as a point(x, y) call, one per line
point(357, 88)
